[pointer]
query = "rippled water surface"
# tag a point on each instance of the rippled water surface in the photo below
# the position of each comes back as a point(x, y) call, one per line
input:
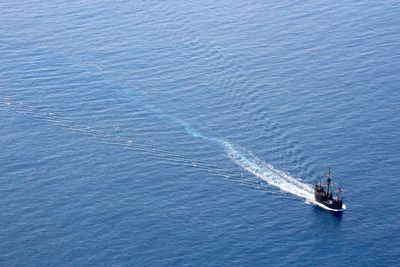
point(143, 133)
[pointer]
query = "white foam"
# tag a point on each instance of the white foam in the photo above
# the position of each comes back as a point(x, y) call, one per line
point(325, 207)
point(268, 173)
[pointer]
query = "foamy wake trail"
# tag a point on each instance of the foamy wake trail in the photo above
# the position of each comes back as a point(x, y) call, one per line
point(242, 157)
point(268, 173)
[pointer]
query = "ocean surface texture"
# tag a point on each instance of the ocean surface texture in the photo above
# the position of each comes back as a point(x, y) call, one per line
point(152, 133)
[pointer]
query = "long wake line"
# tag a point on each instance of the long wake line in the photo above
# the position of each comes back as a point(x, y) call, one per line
point(250, 163)
point(245, 159)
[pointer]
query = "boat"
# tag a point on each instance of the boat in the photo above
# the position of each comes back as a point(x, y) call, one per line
point(324, 196)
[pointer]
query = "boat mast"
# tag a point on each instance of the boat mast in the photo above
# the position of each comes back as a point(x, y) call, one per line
point(329, 175)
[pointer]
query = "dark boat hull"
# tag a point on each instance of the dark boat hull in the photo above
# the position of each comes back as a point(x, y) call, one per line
point(329, 202)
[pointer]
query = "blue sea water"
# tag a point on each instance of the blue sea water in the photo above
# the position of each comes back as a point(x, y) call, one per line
point(152, 133)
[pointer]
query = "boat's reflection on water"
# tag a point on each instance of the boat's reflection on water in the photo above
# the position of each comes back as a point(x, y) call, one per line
point(337, 215)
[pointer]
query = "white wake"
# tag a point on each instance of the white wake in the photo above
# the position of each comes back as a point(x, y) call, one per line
point(269, 174)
